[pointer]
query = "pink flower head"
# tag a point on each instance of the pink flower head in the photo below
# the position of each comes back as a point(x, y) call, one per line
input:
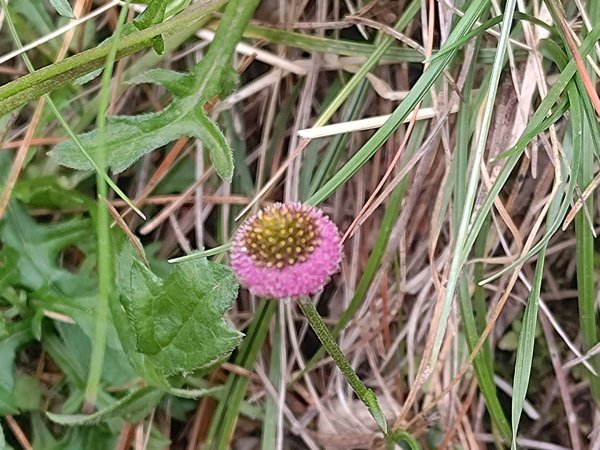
point(286, 250)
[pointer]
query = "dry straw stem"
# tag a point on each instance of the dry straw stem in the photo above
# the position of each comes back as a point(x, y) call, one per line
point(370, 123)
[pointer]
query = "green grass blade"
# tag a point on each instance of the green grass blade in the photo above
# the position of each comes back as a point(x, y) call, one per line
point(320, 156)
point(390, 217)
point(482, 364)
point(386, 41)
point(415, 95)
point(489, 24)
point(525, 349)
point(225, 416)
point(66, 126)
point(584, 246)
point(534, 123)
point(461, 235)
point(104, 263)
point(269, 428)
point(345, 47)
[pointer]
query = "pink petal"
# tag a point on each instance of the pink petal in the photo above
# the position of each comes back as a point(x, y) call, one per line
point(297, 280)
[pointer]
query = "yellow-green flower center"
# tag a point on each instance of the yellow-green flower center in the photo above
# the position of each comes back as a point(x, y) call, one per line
point(281, 237)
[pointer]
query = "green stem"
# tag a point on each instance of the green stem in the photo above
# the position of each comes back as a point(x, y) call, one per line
point(103, 225)
point(46, 79)
point(226, 415)
point(364, 393)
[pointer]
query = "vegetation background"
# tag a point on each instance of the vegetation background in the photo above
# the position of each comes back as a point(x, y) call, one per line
point(454, 143)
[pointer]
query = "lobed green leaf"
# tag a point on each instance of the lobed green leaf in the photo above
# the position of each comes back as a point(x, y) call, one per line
point(178, 322)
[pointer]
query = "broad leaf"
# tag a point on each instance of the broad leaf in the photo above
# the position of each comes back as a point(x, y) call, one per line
point(177, 322)
point(128, 138)
point(9, 274)
point(75, 438)
point(230, 81)
point(153, 14)
point(63, 8)
point(88, 77)
point(48, 192)
point(76, 343)
point(28, 393)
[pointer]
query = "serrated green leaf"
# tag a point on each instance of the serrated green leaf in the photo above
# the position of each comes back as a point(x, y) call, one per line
point(158, 44)
point(88, 77)
point(63, 8)
point(48, 192)
point(76, 438)
point(128, 138)
point(178, 322)
point(152, 15)
point(194, 393)
point(176, 83)
point(229, 82)
point(212, 137)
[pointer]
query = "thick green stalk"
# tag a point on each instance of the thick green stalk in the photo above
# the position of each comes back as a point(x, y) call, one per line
point(366, 395)
point(46, 79)
point(586, 279)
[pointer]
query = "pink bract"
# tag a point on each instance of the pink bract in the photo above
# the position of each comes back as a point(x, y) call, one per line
point(286, 250)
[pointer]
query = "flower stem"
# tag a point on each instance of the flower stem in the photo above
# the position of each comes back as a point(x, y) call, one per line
point(365, 394)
